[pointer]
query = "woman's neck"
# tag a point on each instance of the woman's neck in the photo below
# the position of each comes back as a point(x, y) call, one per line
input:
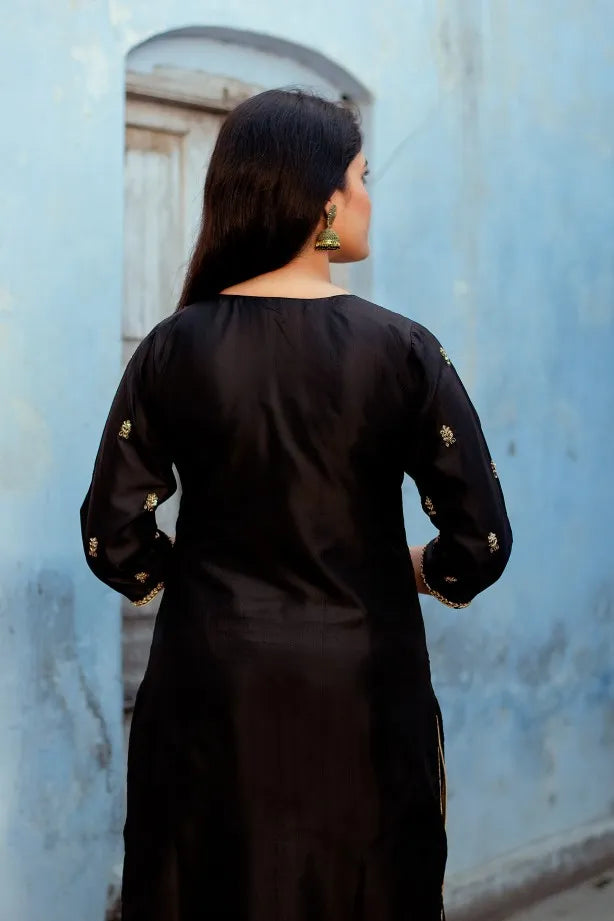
point(306, 276)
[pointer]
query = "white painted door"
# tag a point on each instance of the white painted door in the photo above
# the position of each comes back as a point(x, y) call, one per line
point(167, 152)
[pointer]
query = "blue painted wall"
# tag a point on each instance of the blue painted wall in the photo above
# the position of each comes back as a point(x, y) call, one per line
point(503, 245)
point(60, 289)
point(492, 143)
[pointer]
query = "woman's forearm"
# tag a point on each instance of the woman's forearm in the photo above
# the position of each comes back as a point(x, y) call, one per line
point(416, 559)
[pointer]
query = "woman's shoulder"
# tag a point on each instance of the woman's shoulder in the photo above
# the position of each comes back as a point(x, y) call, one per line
point(412, 343)
point(361, 309)
point(180, 321)
point(387, 318)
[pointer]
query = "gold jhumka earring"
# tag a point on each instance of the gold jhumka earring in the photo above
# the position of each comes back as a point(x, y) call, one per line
point(329, 238)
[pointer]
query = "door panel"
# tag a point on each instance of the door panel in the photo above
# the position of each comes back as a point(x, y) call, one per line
point(153, 231)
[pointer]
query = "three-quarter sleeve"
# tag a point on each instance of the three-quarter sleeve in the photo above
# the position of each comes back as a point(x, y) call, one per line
point(459, 487)
point(132, 475)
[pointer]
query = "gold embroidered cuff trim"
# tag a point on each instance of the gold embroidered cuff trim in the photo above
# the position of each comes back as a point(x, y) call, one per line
point(429, 507)
point(93, 547)
point(125, 429)
point(444, 355)
point(493, 467)
point(450, 579)
point(149, 596)
point(447, 435)
point(493, 543)
point(141, 576)
point(436, 594)
point(151, 500)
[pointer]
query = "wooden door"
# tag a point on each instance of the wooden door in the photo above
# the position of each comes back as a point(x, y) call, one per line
point(167, 151)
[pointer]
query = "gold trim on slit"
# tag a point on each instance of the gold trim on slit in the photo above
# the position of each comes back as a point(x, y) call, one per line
point(443, 793)
point(443, 780)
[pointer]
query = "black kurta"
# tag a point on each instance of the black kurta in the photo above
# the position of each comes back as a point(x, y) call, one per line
point(286, 753)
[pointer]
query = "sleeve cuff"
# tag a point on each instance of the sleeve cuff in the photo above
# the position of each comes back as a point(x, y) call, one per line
point(149, 596)
point(433, 591)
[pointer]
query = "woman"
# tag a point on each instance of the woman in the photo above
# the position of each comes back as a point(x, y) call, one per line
point(286, 754)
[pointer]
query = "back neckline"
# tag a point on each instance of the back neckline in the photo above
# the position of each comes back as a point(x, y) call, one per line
point(282, 297)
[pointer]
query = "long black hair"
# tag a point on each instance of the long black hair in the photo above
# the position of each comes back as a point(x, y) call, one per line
point(278, 158)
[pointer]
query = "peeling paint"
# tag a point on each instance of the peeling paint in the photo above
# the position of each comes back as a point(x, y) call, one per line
point(95, 67)
point(119, 13)
point(120, 18)
point(59, 676)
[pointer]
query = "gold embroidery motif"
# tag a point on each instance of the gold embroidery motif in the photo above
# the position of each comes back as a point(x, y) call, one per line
point(447, 435)
point(428, 505)
point(125, 429)
point(493, 467)
point(444, 355)
point(450, 579)
point(493, 543)
point(435, 593)
point(141, 576)
point(150, 596)
point(93, 547)
point(151, 500)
